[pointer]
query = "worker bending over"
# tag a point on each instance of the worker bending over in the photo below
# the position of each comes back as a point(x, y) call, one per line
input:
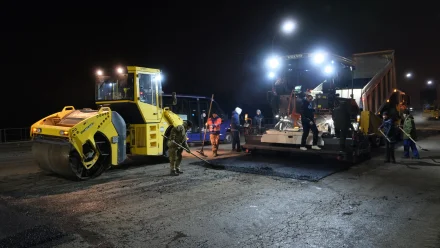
point(308, 122)
point(178, 135)
point(214, 129)
point(389, 130)
point(409, 129)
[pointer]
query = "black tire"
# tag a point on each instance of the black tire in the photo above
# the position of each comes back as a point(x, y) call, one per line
point(228, 138)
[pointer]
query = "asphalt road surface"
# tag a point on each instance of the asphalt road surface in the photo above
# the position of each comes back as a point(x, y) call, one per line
point(138, 205)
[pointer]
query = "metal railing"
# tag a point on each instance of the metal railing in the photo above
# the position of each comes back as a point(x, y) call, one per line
point(14, 134)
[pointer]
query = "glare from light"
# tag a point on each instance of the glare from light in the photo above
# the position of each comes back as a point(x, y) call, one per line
point(271, 75)
point(273, 62)
point(120, 70)
point(288, 26)
point(319, 58)
point(408, 75)
point(329, 69)
point(429, 82)
point(158, 77)
point(99, 72)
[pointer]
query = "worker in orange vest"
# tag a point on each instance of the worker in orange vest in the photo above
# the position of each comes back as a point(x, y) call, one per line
point(214, 129)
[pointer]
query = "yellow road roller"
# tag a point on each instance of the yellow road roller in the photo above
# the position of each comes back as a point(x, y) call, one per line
point(130, 120)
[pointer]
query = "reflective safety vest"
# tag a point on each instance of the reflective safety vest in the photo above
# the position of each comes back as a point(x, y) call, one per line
point(214, 125)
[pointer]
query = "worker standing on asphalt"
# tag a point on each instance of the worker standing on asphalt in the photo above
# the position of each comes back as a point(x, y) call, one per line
point(308, 122)
point(409, 127)
point(214, 129)
point(178, 135)
point(342, 122)
point(235, 129)
point(390, 135)
point(258, 121)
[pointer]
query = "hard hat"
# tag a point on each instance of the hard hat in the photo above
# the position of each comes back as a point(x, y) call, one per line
point(238, 110)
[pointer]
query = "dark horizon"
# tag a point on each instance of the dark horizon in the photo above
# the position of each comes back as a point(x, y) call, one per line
point(51, 57)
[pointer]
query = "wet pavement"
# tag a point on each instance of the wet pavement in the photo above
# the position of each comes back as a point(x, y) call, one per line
point(371, 204)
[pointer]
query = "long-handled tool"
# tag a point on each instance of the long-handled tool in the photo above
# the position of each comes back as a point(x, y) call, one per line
point(206, 162)
point(206, 128)
point(413, 140)
point(186, 149)
point(384, 135)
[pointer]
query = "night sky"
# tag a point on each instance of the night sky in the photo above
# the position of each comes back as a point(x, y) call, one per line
point(50, 53)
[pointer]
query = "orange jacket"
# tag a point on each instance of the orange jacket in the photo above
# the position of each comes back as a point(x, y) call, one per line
point(214, 124)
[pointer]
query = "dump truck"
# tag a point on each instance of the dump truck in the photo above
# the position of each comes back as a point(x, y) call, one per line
point(431, 106)
point(366, 82)
point(431, 111)
point(130, 120)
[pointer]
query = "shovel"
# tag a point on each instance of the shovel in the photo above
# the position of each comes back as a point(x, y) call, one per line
point(421, 148)
point(386, 137)
point(206, 162)
point(204, 135)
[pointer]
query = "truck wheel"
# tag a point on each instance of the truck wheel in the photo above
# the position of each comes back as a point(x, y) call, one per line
point(228, 138)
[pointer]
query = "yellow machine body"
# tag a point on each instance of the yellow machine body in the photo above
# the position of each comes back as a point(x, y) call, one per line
point(130, 120)
point(431, 112)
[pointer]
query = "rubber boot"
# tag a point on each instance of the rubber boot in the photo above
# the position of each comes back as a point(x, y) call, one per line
point(178, 171)
point(173, 173)
point(215, 154)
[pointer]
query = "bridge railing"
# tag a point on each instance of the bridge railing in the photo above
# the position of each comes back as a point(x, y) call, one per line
point(14, 134)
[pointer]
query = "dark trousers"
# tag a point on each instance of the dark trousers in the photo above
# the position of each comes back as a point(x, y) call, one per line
point(236, 140)
point(407, 144)
point(390, 151)
point(306, 129)
point(342, 135)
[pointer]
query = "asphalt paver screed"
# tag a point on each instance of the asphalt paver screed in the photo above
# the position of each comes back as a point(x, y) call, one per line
point(310, 169)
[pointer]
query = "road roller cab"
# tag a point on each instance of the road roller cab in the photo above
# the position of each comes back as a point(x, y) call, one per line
point(82, 143)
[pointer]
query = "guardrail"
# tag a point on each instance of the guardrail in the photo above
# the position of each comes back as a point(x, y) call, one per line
point(14, 134)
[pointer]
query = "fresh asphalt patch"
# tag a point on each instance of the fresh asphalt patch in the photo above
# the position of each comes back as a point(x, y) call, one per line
point(310, 169)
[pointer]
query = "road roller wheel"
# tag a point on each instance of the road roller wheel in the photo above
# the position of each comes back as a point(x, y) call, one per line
point(62, 159)
point(75, 164)
point(80, 172)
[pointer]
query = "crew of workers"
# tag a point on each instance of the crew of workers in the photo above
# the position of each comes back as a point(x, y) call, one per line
point(342, 124)
point(409, 135)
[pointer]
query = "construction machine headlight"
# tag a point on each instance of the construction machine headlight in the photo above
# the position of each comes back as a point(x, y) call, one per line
point(358, 118)
point(319, 57)
point(271, 75)
point(273, 62)
point(158, 77)
point(329, 69)
point(36, 130)
point(64, 133)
